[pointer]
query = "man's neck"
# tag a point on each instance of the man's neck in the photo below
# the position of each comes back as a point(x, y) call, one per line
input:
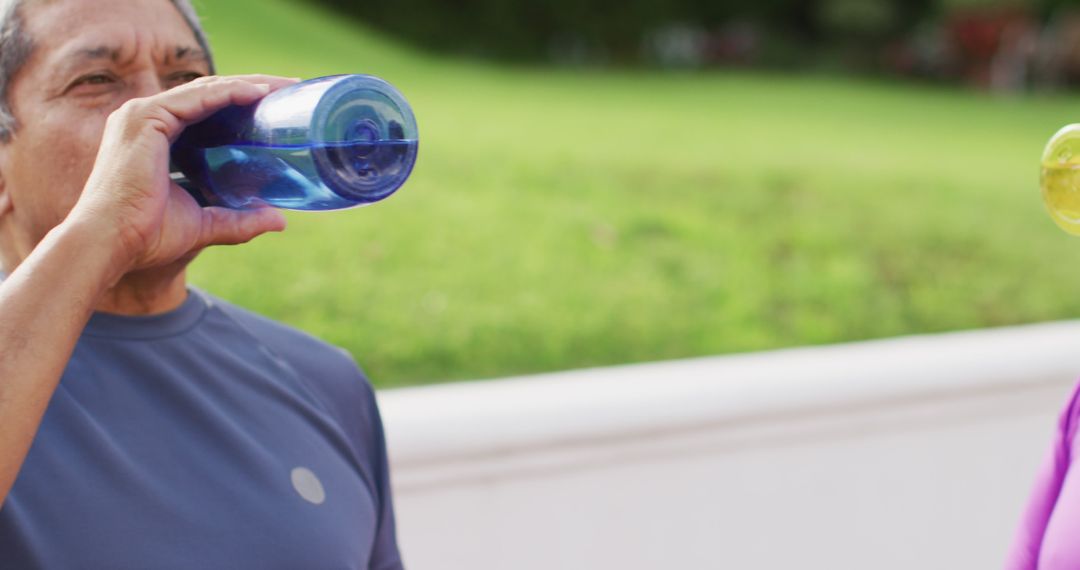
point(147, 292)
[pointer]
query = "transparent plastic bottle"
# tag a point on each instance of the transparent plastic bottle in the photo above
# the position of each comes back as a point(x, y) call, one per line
point(1060, 178)
point(323, 144)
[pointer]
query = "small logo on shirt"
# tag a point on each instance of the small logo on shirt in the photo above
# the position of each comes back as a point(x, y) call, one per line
point(308, 485)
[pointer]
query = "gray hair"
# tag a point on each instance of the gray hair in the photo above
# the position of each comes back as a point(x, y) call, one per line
point(16, 46)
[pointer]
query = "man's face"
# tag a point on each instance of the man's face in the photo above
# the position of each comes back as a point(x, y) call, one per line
point(89, 57)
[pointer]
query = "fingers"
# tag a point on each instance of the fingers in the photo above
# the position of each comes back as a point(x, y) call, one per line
point(274, 81)
point(222, 226)
point(172, 110)
point(130, 181)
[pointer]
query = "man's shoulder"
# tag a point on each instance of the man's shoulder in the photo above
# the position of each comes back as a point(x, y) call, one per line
point(310, 356)
point(325, 370)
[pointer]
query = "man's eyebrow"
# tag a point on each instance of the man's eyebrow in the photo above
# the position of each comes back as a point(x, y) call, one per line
point(82, 55)
point(71, 60)
point(92, 53)
point(182, 53)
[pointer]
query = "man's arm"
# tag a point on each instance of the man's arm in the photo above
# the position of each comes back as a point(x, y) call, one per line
point(44, 305)
point(128, 217)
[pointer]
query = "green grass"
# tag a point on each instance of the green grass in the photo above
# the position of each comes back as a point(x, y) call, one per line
point(561, 219)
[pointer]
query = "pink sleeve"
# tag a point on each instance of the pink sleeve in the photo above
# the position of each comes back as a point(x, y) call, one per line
point(1024, 554)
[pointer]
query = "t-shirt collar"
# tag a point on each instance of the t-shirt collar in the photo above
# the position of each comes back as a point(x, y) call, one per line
point(148, 327)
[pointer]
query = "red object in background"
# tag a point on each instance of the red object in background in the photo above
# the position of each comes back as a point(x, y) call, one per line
point(976, 36)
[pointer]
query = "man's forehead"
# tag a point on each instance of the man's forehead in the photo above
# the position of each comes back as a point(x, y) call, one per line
point(102, 29)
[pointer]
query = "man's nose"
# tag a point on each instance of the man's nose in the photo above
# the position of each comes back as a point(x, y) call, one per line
point(148, 84)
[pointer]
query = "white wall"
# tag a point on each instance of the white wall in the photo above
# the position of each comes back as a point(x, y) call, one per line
point(906, 453)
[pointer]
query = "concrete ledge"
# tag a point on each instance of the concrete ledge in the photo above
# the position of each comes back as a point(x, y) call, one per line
point(904, 453)
point(472, 420)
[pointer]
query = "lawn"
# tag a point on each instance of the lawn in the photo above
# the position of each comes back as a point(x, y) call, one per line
point(560, 219)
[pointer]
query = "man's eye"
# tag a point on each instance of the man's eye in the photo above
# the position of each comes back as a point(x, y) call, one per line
point(96, 79)
point(185, 77)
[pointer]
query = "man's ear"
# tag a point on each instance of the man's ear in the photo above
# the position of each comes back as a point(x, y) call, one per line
point(6, 203)
point(5, 198)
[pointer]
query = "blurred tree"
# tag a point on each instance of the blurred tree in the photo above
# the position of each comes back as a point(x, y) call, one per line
point(617, 31)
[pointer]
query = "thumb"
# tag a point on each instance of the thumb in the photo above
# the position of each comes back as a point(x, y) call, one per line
point(223, 226)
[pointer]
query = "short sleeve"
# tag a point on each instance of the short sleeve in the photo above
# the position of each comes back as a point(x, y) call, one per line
point(384, 552)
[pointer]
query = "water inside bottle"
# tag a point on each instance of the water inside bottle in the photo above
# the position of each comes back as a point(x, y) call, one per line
point(1061, 192)
point(289, 176)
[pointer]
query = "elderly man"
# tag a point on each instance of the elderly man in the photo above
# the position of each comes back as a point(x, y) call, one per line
point(144, 424)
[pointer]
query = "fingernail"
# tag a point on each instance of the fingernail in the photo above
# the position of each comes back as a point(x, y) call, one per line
point(264, 87)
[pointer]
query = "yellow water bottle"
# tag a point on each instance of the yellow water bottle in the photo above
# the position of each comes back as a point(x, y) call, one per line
point(1060, 180)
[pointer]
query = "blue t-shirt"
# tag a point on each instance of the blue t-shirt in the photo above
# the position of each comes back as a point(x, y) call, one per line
point(209, 438)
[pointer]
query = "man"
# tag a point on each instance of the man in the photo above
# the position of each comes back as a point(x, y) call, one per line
point(144, 424)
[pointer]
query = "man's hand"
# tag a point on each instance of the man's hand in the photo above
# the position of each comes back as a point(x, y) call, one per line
point(145, 218)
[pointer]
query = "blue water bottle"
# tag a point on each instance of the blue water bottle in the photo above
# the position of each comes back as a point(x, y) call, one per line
point(323, 144)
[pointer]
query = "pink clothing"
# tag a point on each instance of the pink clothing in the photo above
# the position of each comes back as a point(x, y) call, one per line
point(1049, 533)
